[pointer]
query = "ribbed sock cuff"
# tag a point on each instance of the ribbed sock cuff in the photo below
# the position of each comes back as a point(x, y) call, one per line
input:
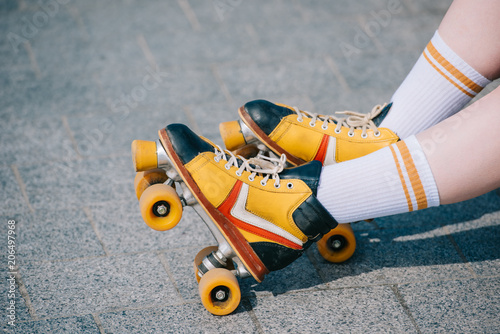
point(460, 65)
point(439, 85)
point(393, 180)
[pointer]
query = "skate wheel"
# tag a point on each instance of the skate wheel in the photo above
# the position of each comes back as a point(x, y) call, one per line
point(148, 178)
point(199, 258)
point(161, 207)
point(219, 291)
point(231, 135)
point(144, 155)
point(338, 245)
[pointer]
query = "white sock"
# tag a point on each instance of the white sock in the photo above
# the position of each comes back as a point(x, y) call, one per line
point(439, 85)
point(395, 179)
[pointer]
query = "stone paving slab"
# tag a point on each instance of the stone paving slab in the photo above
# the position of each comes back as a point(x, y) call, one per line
point(229, 14)
point(71, 183)
point(41, 139)
point(49, 97)
point(125, 216)
point(110, 19)
point(16, 71)
point(209, 126)
point(72, 53)
point(189, 318)
point(468, 306)
point(220, 112)
point(433, 8)
point(316, 38)
point(112, 134)
point(156, 86)
point(307, 76)
point(11, 198)
point(180, 266)
point(83, 324)
point(90, 285)
point(55, 235)
point(422, 31)
point(393, 257)
point(7, 285)
point(315, 9)
point(360, 310)
point(187, 48)
point(300, 275)
point(478, 239)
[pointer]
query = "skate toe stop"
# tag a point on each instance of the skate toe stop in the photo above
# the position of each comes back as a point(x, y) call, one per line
point(144, 155)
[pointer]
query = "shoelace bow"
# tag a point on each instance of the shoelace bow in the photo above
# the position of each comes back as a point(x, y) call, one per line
point(260, 165)
point(355, 120)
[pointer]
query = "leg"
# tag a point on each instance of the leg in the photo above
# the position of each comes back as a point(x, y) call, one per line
point(471, 29)
point(458, 62)
point(453, 161)
point(462, 57)
point(463, 151)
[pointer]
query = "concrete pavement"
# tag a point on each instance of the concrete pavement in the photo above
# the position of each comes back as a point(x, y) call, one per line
point(81, 79)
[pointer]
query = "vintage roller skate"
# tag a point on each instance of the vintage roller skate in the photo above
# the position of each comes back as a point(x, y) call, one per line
point(262, 215)
point(303, 136)
point(268, 128)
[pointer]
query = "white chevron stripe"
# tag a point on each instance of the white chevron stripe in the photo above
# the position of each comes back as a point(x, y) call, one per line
point(330, 152)
point(239, 211)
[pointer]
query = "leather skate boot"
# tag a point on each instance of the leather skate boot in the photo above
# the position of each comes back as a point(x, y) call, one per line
point(303, 136)
point(267, 214)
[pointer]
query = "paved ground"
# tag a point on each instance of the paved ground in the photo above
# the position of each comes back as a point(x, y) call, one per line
point(80, 80)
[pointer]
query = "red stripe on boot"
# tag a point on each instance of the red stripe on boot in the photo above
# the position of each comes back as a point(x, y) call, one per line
point(225, 209)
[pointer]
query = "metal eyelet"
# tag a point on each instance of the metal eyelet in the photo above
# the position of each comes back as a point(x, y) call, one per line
point(277, 186)
point(312, 125)
point(364, 135)
point(216, 159)
point(238, 173)
point(324, 127)
point(350, 134)
point(227, 166)
point(299, 119)
point(251, 179)
point(338, 131)
point(289, 185)
point(377, 134)
point(262, 183)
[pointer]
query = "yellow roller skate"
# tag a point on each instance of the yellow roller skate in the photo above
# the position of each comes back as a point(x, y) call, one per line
point(262, 215)
point(303, 136)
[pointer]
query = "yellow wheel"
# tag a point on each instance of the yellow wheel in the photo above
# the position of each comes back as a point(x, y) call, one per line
point(231, 135)
point(161, 207)
point(219, 291)
point(144, 155)
point(199, 258)
point(338, 245)
point(148, 178)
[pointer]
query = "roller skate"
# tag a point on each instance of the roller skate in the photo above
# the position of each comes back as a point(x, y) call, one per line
point(262, 215)
point(303, 136)
point(276, 129)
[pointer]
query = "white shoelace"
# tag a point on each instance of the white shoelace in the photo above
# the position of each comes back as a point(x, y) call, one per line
point(263, 166)
point(355, 120)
